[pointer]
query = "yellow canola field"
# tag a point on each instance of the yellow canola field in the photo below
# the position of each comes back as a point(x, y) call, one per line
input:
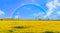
point(29, 26)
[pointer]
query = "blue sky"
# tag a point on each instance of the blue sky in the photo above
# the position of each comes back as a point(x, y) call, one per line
point(30, 9)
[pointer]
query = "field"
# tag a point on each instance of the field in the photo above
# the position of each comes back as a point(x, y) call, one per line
point(29, 26)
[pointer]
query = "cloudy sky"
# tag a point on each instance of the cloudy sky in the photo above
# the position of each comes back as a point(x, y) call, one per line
point(30, 9)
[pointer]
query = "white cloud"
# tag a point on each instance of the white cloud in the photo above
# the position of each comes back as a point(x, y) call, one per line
point(56, 2)
point(51, 6)
point(39, 15)
point(32, 0)
point(16, 17)
point(58, 12)
point(1, 12)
